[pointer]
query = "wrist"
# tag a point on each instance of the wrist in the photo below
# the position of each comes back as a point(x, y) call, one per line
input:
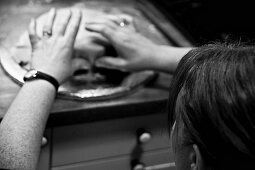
point(151, 59)
point(155, 58)
point(33, 75)
point(168, 58)
point(54, 71)
point(40, 85)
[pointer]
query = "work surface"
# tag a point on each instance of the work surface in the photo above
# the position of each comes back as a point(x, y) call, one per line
point(151, 99)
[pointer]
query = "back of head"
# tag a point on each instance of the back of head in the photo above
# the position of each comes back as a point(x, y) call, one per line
point(215, 87)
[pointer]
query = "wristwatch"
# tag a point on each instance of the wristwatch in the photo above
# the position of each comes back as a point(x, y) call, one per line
point(34, 75)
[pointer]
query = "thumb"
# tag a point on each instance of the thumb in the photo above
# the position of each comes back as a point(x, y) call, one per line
point(107, 31)
point(110, 62)
point(33, 37)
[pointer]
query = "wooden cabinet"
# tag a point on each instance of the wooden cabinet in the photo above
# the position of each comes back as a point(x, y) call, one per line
point(112, 144)
point(154, 159)
point(44, 159)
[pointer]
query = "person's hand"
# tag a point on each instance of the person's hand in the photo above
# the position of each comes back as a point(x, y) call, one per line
point(135, 51)
point(52, 54)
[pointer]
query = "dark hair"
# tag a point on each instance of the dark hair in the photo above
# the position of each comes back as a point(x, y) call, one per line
point(215, 87)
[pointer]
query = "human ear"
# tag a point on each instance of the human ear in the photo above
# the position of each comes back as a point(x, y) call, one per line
point(196, 161)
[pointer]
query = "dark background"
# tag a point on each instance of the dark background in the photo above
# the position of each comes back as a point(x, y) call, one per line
point(206, 21)
point(203, 21)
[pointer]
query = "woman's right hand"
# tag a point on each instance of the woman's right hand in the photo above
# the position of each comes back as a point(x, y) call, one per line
point(52, 54)
point(135, 51)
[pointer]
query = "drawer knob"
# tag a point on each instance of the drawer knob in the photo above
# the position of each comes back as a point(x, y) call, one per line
point(44, 141)
point(137, 165)
point(143, 136)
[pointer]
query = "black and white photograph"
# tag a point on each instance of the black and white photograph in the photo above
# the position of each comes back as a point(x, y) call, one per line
point(127, 85)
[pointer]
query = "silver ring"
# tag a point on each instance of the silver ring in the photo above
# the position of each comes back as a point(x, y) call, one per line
point(47, 33)
point(123, 23)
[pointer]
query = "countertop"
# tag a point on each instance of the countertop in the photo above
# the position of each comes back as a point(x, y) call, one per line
point(149, 99)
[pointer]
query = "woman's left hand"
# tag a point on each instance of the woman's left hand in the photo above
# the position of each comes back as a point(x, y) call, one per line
point(52, 54)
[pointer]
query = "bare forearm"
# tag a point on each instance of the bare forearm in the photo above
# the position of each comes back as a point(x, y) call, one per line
point(167, 58)
point(22, 128)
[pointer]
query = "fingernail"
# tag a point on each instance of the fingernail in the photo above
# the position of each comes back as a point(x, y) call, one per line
point(54, 10)
point(70, 12)
point(32, 22)
point(79, 10)
point(80, 13)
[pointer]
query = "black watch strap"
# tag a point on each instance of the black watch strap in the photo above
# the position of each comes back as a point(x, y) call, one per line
point(34, 74)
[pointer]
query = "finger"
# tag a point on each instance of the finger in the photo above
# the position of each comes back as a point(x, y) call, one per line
point(110, 62)
point(128, 18)
point(32, 32)
point(112, 23)
point(127, 21)
point(109, 16)
point(50, 21)
point(106, 31)
point(62, 23)
point(80, 63)
point(32, 27)
point(73, 27)
point(118, 20)
point(114, 19)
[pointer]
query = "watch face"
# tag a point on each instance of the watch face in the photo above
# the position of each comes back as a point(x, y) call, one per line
point(30, 74)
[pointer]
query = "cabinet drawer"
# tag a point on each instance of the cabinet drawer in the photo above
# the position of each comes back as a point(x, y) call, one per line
point(97, 140)
point(153, 160)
